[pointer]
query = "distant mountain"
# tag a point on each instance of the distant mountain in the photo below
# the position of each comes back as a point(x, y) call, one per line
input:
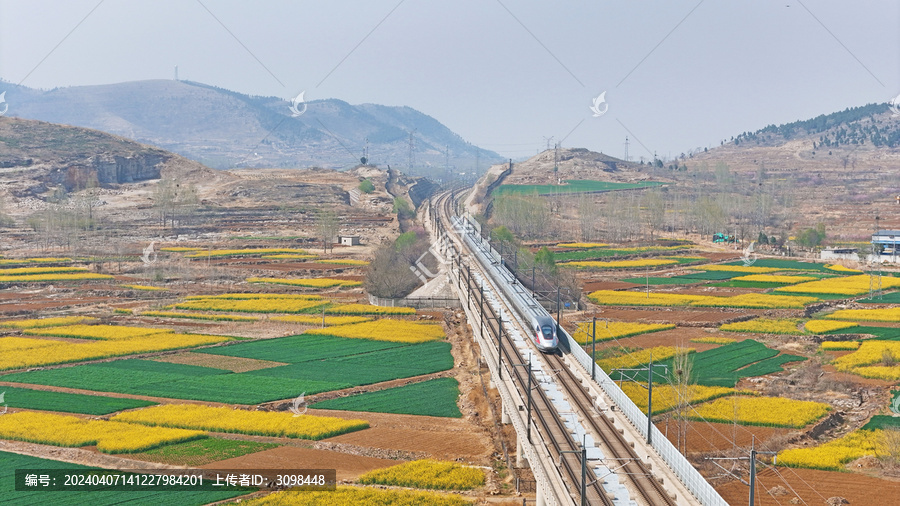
point(226, 129)
point(854, 126)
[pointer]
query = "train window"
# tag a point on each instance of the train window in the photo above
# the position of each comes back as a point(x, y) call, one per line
point(548, 331)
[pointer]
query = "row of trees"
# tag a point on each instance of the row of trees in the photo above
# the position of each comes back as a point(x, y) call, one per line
point(709, 201)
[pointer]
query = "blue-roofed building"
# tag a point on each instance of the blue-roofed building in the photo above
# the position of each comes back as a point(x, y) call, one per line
point(886, 242)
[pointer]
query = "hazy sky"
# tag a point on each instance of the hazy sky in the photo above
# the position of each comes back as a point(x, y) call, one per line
point(503, 74)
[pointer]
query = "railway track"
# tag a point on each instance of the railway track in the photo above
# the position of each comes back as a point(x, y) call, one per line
point(649, 488)
point(548, 422)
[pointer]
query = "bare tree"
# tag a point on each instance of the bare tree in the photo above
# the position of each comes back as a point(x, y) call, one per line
point(5, 220)
point(173, 201)
point(683, 368)
point(327, 226)
point(655, 205)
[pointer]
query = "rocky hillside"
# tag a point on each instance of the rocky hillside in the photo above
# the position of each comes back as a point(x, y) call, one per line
point(35, 154)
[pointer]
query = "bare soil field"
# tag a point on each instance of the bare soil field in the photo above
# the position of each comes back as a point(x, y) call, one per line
point(781, 485)
point(348, 466)
point(680, 336)
point(704, 437)
point(705, 317)
point(233, 364)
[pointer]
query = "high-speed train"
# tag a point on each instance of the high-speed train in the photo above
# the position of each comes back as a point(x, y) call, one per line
point(543, 333)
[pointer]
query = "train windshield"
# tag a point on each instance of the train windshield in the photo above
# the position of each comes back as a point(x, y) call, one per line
point(548, 331)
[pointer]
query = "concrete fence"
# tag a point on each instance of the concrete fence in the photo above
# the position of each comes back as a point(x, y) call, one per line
point(416, 302)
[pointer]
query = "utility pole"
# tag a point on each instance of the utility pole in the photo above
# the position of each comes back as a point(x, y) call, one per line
point(583, 452)
point(548, 139)
point(594, 347)
point(626, 148)
point(752, 461)
point(556, 158)
point(528, 390)
point(649, 387)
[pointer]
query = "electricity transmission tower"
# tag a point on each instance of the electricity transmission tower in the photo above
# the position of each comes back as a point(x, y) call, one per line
point(411, 157)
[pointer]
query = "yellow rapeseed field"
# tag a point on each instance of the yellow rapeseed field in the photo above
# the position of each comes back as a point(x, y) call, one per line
point(261, 305)
point(622, 298)
point(847, 285)
point(823, 326)
point(343, 261)
point(201, 316)
point(17, 271)
point(8, 344)
point(713, 340)
point(245, 252)
point(431, 474)
point(255, 296)
point(840, 345)
point(620, 264)
point(736, 268)
point(888, 314)
point(355, 496)
point(144, 287)
point(833, 455)
point(749, 300)
point(38, 353)
point(614, 330)
point(640, 357)
point(841, 268)
point(356, 309)
point(884, 372)
point(765, 326)
point(63, 276)
point(307, 282)
point(317, 319)
point(96, 331)
point(665, 397)
point(767, 411)
point(400, 331)
point(870, 352)
point(45, 322)
point(226, 419)
point(773, 278)
point(34, 260)
point(71, 431)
